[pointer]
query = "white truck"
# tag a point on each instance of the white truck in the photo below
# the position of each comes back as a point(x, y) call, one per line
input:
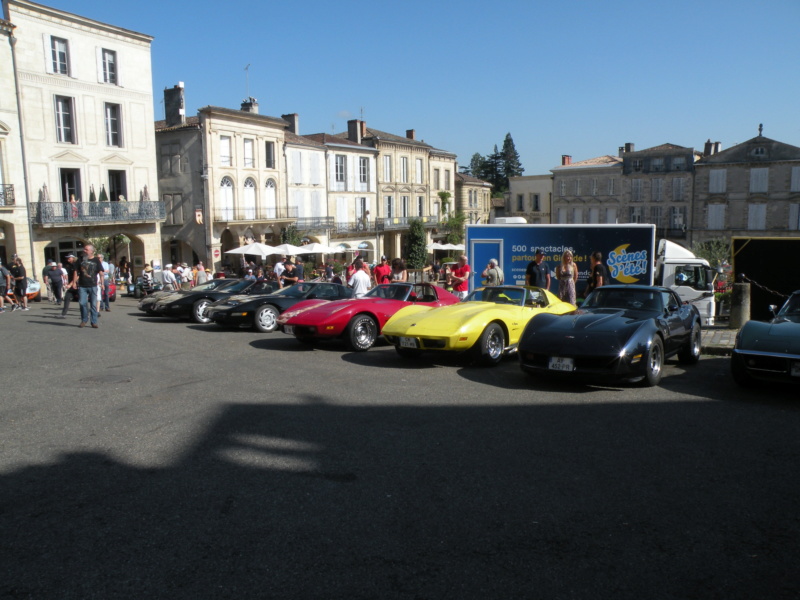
point(691, 277)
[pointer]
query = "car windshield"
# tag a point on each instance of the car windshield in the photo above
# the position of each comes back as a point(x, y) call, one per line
point(214, 284)
point(238, 286)
point(295, 291)
point(625, 298)
point(391, 291)
point(498, 295)
point(791, 310)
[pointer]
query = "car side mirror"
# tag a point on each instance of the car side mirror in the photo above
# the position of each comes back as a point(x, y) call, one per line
point(773, 308)
point(672, 308)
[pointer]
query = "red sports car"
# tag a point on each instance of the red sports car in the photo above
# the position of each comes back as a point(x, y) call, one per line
point(359, 321)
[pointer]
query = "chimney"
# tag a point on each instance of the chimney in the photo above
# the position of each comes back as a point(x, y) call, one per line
point(354, 131)
point(411, 134)
point(566, 159)
point(174, 112)
point(629, 147)
point(621, 151)
point(250, 105)
point(708, 149)
point(717, 147)
point(363, 129)
point(294, 122)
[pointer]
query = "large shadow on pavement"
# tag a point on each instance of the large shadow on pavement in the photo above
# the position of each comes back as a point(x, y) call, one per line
point(659, 500)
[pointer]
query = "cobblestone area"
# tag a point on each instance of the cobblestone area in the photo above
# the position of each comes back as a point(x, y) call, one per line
point(718, 340)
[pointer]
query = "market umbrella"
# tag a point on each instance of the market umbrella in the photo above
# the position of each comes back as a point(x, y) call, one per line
point(289, 249)
point(315, 248)
point(256, 249)
point(435, 246)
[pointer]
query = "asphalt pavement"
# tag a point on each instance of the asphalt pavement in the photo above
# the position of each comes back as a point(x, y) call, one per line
point(151, 458)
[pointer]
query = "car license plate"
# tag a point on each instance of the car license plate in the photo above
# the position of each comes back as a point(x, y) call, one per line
point(559, 363)
point(288, 329)
point(795, 369)
point(407, 342)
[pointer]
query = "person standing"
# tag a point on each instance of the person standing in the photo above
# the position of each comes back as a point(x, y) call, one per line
point(279, 267)
point(5, 285)
point(537, 273)
point(20, 277)
point(201, 277)
point(382, 272)
point(567, 274)
point(106, 281)
point(169, 279)
point(87, 278)
point(289, 275)
point(300, 268)
point(359, 280)
point(493, 274)
point(46, 283)
point(598, 276)
point(53, 276)
point(399, 272)
point(70, 287)
point(459, 277)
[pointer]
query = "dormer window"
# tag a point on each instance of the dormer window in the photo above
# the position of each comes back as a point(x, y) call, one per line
point(636, 164)
point(657, 164)
point(759, 152)
point(679, 163)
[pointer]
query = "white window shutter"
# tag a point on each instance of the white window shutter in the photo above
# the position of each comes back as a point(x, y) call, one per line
point(48, 53)
point(120, 69)
point(100, 77)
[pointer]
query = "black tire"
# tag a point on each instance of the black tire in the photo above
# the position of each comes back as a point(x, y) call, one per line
point(137, 292)
point(113, 297)
point(740, 374)
point(408, 352)
point(654, 363)
point(361, 333)
point(266, 319)
point(690, 354)
point(491, 346)
point(38, 297)
point(199, 311)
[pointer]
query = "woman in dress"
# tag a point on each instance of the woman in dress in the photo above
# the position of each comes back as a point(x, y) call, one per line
point(567, 275)
point(399, 272)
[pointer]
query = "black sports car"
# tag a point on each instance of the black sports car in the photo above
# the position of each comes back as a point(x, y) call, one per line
point(261, 311)
point(619, 332)
point(769, 350)
point(194, 303)
point(148, 303)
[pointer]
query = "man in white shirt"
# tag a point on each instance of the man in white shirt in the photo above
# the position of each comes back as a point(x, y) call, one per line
point(170, 282)
point(279, 268)
point(359, 280)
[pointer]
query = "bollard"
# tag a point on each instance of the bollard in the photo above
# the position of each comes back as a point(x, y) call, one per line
point(740, 305)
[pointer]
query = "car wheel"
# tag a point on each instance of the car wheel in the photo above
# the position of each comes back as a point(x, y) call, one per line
point(199, 311)
point(137, 292)
point(691, 353)
point(38, 297)
point(266, 319)
point(113, 297)
point(654, 363)
point(361, 333)
point(408, 352)
point(740, 374)
point(489, 349)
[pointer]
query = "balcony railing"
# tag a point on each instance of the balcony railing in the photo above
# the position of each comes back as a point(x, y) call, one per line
point(403, 222)
point(359, 227)
point(309, 223)
point(7, 195)
point(255, 213)
point(64, 213)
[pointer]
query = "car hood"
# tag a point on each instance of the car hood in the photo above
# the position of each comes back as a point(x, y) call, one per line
point(779, 336)
point(444, 320)
point(604, 320)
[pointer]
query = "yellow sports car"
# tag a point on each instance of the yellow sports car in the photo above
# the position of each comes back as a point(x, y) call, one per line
point(488, 323)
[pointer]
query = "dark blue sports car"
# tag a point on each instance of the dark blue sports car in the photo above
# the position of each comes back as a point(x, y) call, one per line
point(619, 332)
point(769, 351)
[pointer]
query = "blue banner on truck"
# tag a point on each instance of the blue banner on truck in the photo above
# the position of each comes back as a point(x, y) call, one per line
point(628, 250)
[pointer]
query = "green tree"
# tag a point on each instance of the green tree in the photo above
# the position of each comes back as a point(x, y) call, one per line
point(454, 228)
point(444, 197)
point(477, 166)
point(415, 250)
point(511, 165)
point(290, 235)
point(716, 251)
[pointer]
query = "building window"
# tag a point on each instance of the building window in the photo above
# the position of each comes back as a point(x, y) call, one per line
point(249, 199)
point(520, 202)
point(340, 168)
point(758, 180)
point(677, 217)
point(757, 216)
point(636, 164)
point(636, 192)
point(562, 188)
point(536, 204)
point(65, 126)
point(59, 51)
point(226, 199)
point(611, 187)
point(562, 215)
point(635, 214)
point(404, 207)
point(436, 182)
point(113, 136)
point(794, 217)
point(594, 215)
point(248, 154)
point(269, 151)
point(717, 181)
point(404, 169)
point(363, 169)
point(716, 216)
point(657, 190)
point(594, 187)
point(225, 150)
point(577, 215)
point(70, 180)
point(388, 206)
point(679, 163)
point(116, 185)
point(447, 180)
point(109, 66)
point(655, 216)
point(418, 173)
point(577, 187)
point(611, 215)
point(387, 167)
point(657, 164)
point(420, 206)
point(677, 190)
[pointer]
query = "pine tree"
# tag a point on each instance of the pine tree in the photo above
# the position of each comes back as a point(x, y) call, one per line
point(512, 167)
point(494, 170)
point(477, 166)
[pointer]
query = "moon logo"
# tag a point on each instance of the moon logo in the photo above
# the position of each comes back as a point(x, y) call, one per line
point(622, 277)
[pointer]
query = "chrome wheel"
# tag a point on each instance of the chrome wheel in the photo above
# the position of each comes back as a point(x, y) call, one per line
point(361, 333)
point(266, 320)
point(199, 311)
point(654, 363)
point(491, 346)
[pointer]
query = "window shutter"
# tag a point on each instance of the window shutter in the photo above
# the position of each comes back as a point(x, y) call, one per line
point(48, 53)
point(794, 216)
point(100, 76)
point(795, 187)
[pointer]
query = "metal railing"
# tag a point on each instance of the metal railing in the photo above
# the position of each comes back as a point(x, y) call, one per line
point(65, 213)
point(255, 213)
point(404, 222)
point(308, 223)
point(7, 195)
point(360, 226)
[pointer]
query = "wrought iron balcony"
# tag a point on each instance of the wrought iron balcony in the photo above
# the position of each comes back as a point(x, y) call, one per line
point(363, 227)
point(310, 223)
point(78, 213)
point(389, 223)
point(7, 195)
point(255, 213)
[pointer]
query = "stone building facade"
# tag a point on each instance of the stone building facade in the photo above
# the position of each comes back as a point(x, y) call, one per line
point(588, 191)
point(530, 197)
point(472, 198)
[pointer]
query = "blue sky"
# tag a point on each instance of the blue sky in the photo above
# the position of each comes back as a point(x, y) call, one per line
point(579, 78)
